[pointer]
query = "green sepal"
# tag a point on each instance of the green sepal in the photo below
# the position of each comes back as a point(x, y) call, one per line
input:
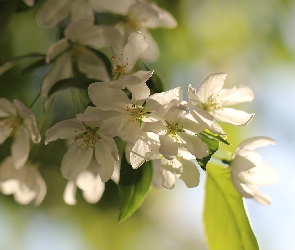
point(222, 138)
point(75, 82)
point(213, 146)
point(133, 187)
point(155, 83)
point(226, 223)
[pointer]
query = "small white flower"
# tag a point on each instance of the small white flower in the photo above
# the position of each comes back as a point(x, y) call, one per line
point(215, 100)
point(123, 61)
point(142, 16)
point(248, 170)
point(75, 48)
point(90, 183)
point(18, 121)
point(179, 129)
point(26, 184)
point(89, 143)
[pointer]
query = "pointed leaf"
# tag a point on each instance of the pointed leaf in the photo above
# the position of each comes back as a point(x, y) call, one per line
point(75, 82)
point(213, 146)
point(154, 83)
point(133, 187)
point(222, 138)
point(226, 222)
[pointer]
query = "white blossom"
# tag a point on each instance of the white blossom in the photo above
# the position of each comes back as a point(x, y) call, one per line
point(215, 100)
point(26, 184)
point(124, 59)
point(248, 170)
point(89, 143)
point(142, 16)
point(19, 122)
point(30, 3)
point(76, 48)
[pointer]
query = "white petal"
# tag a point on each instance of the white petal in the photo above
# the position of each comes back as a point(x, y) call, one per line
point(135, 46)
point(161, 102)
point(30, 3)
point(168, 178)
point(61, 69)
point(4, 131)
point(6, 108)
point(168, 147)
point(53, 11)
point(75, 160)
point(210, 86)
point(255, 142)
point(68, 129)
point(176, 113)
point(129, 130)
point(85, 32)
point(241, 187)
point(260, 197)
point(235, 95)
point(245, 161)
point(115, 6)
point(40, 188)
point(193, 98)
point(194, 145)
point(105, 160)
point(92, 66)
point(107, 98)
point(29, 120)
point(152, 52)
point(24, 195)
point(232, 116)
point(56, 49)
point(20, 148)
point(155, 127)
point(262, 174)
point(92, 186)
point(204, 119)
point(143, 75)
point(190, 173)
point(69, 195)
point(81, 9)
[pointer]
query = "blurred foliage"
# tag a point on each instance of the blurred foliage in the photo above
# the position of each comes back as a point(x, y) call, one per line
point(237, 37)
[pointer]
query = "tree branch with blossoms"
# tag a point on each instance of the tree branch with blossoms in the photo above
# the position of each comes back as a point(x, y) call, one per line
point(121, 104)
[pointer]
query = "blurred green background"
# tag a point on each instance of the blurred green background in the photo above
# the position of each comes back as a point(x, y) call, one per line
point(253, 42)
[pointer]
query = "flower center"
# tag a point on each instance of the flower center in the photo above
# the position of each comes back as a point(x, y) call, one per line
point(12, 122)
point(76, 51)
point(118, 68)
point(173, 128)
point(212, 104)
point(136, 112)
point(89, 138)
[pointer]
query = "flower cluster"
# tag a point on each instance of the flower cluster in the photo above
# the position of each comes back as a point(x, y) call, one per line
point(159, 127)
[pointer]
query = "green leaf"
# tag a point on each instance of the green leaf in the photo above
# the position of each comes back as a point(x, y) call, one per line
point(213, 146)
point(154, 83)
point(30, 68)
point(226, 222)
point(133, 187)
point(222, 138)
point(75, 82)
point(14, 61)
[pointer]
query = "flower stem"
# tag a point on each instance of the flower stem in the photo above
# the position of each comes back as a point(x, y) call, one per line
point(35, 100)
